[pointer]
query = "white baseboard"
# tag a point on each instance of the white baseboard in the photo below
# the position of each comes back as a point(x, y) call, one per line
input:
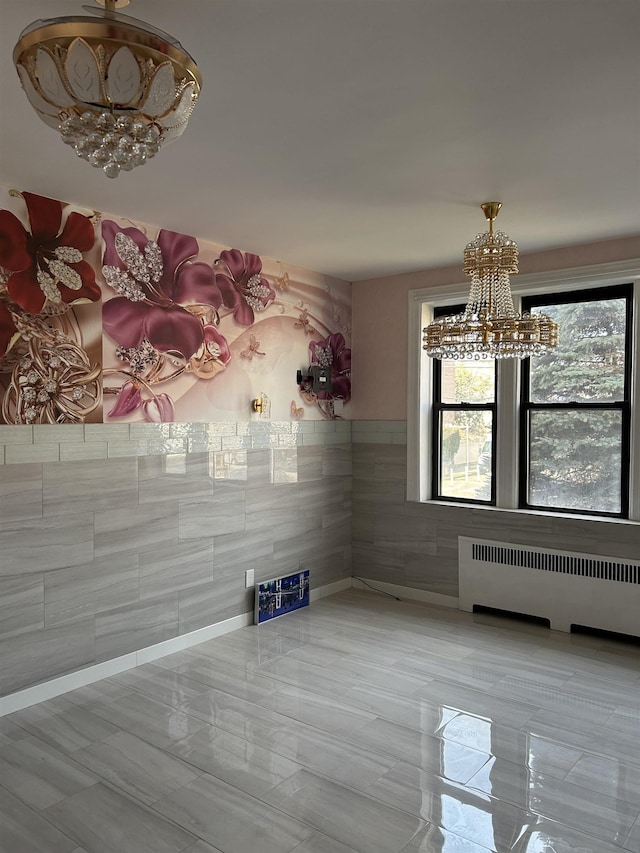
point(73, 680)
point(95, 672)
point(408, 592)
point(330, 589)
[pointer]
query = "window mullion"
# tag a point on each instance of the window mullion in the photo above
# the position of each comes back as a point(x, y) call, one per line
point(507, 432)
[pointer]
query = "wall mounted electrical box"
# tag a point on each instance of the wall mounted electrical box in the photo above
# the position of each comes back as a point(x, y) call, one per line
point(317, 379)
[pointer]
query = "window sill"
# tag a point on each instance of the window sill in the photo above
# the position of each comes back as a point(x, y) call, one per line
point(536, 512)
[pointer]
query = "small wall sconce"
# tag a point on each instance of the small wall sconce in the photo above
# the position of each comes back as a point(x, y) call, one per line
point(262, 406)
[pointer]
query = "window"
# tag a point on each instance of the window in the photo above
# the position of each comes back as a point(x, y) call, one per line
point(560, 433)
point(464, 406)
point(575, 408)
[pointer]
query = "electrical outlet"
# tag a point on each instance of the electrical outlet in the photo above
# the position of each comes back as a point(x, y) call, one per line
point(248, 578)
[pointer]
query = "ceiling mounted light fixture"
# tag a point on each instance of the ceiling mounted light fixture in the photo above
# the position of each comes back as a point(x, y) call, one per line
point(490, 327)
point(116, 89)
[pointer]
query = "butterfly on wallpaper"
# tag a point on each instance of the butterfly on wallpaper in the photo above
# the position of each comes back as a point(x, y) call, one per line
point(282, 280)
point(252, 349)
point(303, 323)
point(295, 412)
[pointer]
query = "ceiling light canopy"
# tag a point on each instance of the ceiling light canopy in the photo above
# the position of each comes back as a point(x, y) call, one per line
point(490, 327)
point(116, 89)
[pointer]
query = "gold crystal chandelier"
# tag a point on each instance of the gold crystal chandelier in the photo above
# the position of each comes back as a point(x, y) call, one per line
point(116, 89)
point(490, 327)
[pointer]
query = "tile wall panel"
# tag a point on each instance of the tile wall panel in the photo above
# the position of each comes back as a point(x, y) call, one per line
point(71, 487)
point(21, 492)
point(185, 475)
point(141, 624)
point(215, 601)
point(231, 551)
point(416, 545)
point(129, 538)
point(90, 589)
point(212, 516)
point(33, 544)
point(172, 568)
point(21, 604)
point(134, 528)
point(29, 658)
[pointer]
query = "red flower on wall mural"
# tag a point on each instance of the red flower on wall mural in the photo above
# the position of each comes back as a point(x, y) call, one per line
point(333, 352)
point(46, 263)
point(243, 287)
point(154, 278)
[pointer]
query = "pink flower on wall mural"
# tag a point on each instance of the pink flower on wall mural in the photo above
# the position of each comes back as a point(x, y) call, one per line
point(155, 278)
point(243, 287)
point(46, 264)
point(129, 399)
point(333, 352)
point(164, 320)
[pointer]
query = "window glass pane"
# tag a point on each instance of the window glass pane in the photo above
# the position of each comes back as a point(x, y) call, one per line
point(588, 366)
point(467, 381)
point(575, 460)
point(465, 454)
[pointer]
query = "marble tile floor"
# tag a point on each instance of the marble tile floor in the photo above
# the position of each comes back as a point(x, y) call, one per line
point(359, 725)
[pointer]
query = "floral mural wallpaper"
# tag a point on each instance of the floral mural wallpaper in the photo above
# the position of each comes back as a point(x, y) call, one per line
point(103, 319)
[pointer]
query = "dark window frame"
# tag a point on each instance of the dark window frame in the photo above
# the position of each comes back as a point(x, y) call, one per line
point(526, 406)
point(438, 407)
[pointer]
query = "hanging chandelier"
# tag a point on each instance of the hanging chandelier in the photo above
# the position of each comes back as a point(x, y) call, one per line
point(490, 327)
point(116, 89)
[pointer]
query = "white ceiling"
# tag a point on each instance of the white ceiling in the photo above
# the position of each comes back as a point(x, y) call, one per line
point(358, 137)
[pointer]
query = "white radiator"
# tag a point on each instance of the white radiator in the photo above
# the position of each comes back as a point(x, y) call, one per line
point(562, 586)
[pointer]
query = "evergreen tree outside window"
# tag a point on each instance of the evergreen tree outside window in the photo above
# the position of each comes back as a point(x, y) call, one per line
point(575, 410)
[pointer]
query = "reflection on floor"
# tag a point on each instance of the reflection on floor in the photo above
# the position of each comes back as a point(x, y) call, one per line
point(359, 724)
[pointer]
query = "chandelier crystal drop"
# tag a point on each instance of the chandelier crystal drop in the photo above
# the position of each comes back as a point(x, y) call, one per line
point(490, 327)
point(116, 89)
